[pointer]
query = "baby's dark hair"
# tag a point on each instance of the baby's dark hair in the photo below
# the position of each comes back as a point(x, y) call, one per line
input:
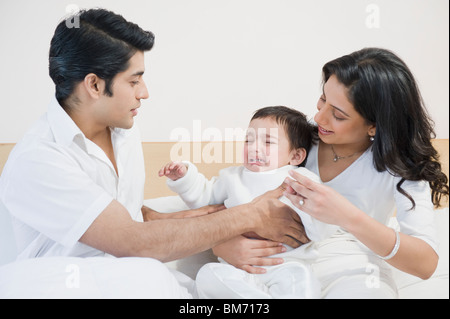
point(300, 132)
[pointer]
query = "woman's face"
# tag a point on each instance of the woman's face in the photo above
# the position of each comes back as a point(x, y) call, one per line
point(337, 119)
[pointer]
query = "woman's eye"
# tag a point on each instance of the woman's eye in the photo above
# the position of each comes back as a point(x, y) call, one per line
point(337, 117)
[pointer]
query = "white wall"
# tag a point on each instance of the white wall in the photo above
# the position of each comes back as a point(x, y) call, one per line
point(216, 61)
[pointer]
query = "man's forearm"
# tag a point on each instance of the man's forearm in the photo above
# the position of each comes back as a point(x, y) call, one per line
point(170, 239)
point(114, 232)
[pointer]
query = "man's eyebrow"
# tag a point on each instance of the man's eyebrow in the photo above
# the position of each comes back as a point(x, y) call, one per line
point(138, 73)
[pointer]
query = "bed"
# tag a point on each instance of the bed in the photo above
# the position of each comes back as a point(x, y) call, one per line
point(103, 277)
point(109, 277)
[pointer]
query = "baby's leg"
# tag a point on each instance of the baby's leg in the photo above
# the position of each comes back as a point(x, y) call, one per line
point(217, 280)
point(292, 280)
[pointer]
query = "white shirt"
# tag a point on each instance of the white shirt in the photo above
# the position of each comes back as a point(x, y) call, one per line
point(56, 182)
point(375, 193)
point(238, 185)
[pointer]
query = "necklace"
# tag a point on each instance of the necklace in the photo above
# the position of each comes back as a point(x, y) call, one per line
point(337, 157)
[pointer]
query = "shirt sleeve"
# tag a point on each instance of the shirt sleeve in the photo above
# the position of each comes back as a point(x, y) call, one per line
point(420, 221)
point(196, 190)
point(47, 190)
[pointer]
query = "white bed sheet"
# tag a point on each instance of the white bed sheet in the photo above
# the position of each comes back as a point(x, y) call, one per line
point(101, 277)
point(93, 278)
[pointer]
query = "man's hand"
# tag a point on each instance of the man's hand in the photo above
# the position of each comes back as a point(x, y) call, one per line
point(277, 221)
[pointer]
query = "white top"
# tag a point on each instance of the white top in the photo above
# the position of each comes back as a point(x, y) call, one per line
point(376, 194)
point(56, 182)
point(238, 185)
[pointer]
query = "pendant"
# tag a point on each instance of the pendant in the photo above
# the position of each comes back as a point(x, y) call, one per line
point(335, 159)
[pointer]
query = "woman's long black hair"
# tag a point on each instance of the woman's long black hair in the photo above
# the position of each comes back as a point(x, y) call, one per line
point(383, 90)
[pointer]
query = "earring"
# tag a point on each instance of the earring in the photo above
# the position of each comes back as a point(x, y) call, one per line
point(372, 138)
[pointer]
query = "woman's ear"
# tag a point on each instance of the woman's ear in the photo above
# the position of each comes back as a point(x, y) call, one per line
point(297, 156)
point(372, 130)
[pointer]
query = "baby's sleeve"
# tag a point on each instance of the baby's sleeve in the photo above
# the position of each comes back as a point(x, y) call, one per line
point(194, 188)
point(315, 229)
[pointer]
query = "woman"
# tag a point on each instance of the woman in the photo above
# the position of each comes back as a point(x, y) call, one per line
point(375, 157)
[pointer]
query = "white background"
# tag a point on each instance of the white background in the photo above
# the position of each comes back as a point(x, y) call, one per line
point(216, 61)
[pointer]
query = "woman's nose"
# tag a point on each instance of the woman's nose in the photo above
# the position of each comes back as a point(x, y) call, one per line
point(320, 117)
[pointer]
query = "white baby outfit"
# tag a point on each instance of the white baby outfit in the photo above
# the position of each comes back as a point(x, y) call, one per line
point(235, 186)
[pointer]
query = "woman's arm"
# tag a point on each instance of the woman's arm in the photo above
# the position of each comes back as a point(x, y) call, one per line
point(414, 256)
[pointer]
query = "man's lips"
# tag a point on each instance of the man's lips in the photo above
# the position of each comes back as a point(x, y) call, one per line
point(134, 111)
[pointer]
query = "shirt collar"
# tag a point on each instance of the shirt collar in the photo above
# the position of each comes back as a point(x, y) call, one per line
point(63, 127)
point(65, 130)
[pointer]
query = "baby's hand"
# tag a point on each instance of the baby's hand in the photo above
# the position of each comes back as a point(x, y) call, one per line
point(174, 170)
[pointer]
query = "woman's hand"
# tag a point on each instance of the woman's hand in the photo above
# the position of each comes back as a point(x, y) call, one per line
point(319, 201)
point(150, 214)
point(245, 253)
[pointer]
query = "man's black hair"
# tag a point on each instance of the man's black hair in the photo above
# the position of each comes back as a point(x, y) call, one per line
point(101, 43)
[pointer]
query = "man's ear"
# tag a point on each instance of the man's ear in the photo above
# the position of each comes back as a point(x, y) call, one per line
point(93, 85)
point(297, 156)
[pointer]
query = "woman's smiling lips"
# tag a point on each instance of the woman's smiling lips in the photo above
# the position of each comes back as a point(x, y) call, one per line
point(324, 131)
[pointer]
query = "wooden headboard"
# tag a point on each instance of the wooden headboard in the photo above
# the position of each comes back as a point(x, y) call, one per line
point(210, 157)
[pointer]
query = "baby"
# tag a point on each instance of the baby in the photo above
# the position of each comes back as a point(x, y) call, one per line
point(277, 141)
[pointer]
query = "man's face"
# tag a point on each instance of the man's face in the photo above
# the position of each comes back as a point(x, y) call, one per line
point(128, 89)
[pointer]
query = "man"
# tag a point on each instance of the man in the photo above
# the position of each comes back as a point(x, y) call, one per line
point(74, 184)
